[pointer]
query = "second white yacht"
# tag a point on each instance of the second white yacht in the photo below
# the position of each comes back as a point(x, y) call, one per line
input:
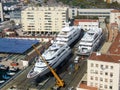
point(90, 41)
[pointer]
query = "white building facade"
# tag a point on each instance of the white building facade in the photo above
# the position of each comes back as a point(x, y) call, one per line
point(89, 12)
point(87, 24)
point(105, 73)
point(44, 19)
point(1, 12)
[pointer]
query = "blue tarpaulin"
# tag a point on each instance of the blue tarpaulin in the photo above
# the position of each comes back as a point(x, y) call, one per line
point(15, 45)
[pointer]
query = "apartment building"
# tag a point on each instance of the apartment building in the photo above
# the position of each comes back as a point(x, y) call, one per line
point(41, 20)
point(103, 70)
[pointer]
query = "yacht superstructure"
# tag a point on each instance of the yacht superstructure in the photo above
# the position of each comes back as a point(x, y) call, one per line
point(90, 41)
point(54, 55)
point(68, 35)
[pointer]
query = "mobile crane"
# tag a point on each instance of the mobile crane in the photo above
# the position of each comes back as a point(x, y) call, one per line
point(59, 82)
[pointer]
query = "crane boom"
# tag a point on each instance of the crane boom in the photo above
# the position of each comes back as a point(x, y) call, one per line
point(59, 82)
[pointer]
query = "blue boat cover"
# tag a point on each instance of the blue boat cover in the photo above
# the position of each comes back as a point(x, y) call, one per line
point(15, 45)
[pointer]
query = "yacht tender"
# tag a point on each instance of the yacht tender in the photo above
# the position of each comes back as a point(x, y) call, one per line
point(90, 41)
point(54, 55)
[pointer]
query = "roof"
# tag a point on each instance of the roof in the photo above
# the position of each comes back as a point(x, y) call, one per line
point(84, 86)
point(105, 57)
point(115, 47)
point(76, 22)
point(15, 45)
point(115, 11)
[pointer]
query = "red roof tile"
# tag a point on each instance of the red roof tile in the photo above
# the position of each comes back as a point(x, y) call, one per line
point(87, 20)
point(115, 11)
point(105, 57)
point(87, 87)
point(76, 22)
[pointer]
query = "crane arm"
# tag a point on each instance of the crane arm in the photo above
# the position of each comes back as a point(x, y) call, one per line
point(59, 82)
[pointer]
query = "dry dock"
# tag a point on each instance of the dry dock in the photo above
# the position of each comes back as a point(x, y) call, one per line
point(70, 77)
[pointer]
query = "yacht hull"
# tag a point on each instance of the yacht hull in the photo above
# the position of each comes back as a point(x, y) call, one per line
point(56, 63)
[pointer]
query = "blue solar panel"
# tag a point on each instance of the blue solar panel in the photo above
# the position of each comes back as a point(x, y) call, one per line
point(15, 45)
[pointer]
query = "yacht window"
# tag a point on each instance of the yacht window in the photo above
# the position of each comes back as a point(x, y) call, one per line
point(63, 50)
point(95, 36)
point(53, 50)
point(50, 59)
point(41, 66)
point(91, 33)
point(75, 34)
point(59, 54)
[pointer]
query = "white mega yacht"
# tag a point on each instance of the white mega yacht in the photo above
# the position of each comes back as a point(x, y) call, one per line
point(90, 41)
point(54, 55)
point(68, 35)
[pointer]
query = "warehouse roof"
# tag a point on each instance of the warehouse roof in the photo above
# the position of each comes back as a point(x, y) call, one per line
point(15, 45)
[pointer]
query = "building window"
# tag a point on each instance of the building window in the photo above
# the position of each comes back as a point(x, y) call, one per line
point(96, 84)
point(101, 66)
point(105, 86)
point(101, 79)
point(111, 80)
point(106, 66)
point(111, 67)
point(91, 84)
point(91, 71)
point(92, 64)
point(91, 77)
point(101, 73)
point(96, 72)
point(96, 78)
point(101, 86)
point(110, 87)
point(97, 65)
point(111, 74)
point(106, 80)
point(106, 73)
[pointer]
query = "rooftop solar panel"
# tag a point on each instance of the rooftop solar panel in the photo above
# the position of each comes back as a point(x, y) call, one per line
point(15, 45)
